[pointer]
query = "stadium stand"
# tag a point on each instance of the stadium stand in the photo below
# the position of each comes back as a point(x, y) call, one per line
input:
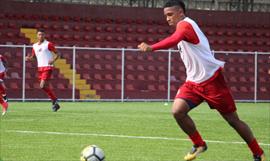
point(121, 27)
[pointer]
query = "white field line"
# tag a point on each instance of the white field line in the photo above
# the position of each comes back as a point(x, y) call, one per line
point(125, 136)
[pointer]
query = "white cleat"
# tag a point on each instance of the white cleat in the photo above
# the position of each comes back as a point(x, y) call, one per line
point(5, 108)
point(3, 113)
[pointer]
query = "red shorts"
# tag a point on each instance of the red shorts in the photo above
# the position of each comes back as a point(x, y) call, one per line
point(2, 75)
point(214, 91)
point(44, 75)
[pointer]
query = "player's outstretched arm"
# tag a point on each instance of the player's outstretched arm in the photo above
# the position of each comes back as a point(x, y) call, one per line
point(183, 31)
point(29, 58)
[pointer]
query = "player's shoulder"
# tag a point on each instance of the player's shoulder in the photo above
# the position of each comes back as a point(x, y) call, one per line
point(50, 43)
point(186, 23)
point(35, 44)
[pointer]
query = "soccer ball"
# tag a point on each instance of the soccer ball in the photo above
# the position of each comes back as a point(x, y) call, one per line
point(92, 153)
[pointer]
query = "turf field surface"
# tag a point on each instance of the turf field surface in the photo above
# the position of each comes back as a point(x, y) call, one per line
point(137, 131)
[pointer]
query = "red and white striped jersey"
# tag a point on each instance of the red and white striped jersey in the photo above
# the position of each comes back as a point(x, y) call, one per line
point(43, 54)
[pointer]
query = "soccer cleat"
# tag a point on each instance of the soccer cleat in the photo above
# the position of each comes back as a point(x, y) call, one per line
point(259, 158)
point(5, 107)
point(195, 151)
point(55, 106)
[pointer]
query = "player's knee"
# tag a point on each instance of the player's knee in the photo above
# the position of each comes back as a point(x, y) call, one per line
point(179, 109)
point(42, 85)
point(178, 112)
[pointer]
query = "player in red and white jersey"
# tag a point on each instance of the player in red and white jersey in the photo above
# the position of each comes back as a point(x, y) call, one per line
point(3, 99)
point(46, 54)
point(204, 82)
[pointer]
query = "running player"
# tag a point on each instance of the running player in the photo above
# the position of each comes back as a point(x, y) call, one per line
point(204, 82)
point(3, 98)
point(46, 54)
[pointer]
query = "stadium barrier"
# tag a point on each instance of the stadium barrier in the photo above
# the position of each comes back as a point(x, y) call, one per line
point(121, 74)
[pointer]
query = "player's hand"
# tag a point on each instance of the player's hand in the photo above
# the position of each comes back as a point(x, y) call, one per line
point(144, 47)
point(51, 62)
point(28, 58)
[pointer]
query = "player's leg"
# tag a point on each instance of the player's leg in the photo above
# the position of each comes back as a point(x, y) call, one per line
point(245, 132)
point(184, 101)
point(219, 97)
point(180, 111)
point(3, 91)
point(3, 87)
point(44, 85)
point(4, 106)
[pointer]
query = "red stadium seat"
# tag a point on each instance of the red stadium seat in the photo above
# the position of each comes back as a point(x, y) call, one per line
point(150, 58)
point(118, 77)
point(87, 28)
point(36, 86)
point(130, 67)
point(151, 68)
point(60, 86)
point(119, 38)
point(98, 67)
point(98, 56)
point(98, 29)
point(162, 68)
point(76, 37)
point(27, 86)
point(13, 85)
point(151, 87)
point(140, 68)
point(86, 76)
point(86, 37)
point(118, 87)
point(129, 30)
point(150, 30)
point(118, 29)
point(108, 87)
point(162, 88)
point(15, 75)
point(108, 29)
point(141, 77)
point(130, 87)
point(109, 77)
point(162, 78)
point(151, 77)
point(98, 76)
point(234, 89)
point(130, 77)
point(109, 67)
point(76, 28)
point(28, 75)
point(97, 86)
point(244, 89)
point(66, 27)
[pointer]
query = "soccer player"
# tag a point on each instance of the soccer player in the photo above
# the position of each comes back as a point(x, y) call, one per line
point(204, 82)
point(3, 98)
point(46, 54)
